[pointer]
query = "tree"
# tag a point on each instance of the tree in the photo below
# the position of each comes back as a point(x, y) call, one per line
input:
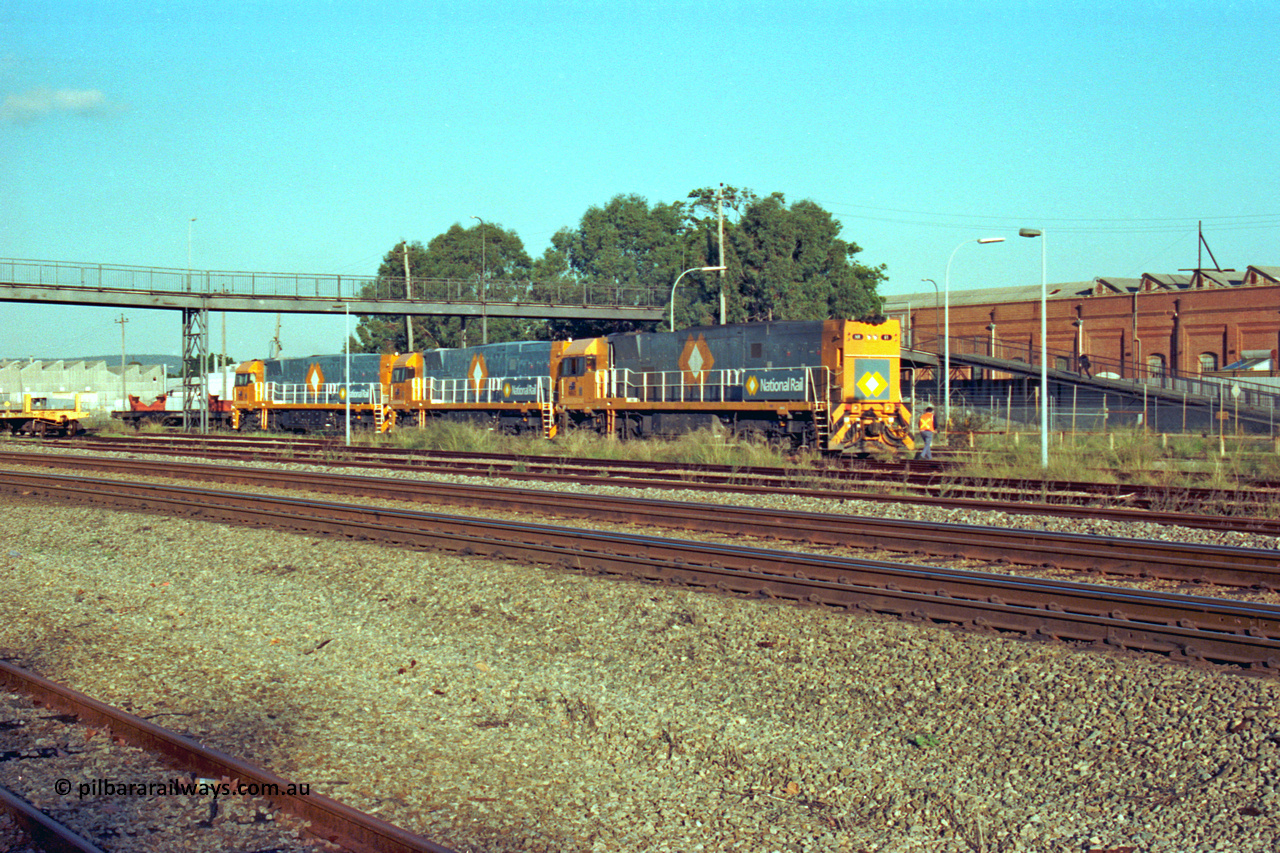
point(698, 301)
point(626, 247)
point(212, 363)
point(783, 263)
point(794, 266)
point(465, 263)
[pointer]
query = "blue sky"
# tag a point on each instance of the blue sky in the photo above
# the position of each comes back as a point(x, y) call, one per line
point(311, 137)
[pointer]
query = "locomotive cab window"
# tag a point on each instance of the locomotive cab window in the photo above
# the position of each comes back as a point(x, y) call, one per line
point(578, 365)
point(243, 379)
point(402, 374)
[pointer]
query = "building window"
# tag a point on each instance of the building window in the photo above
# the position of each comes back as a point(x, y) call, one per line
point(1155, 364)
point(1208, 362)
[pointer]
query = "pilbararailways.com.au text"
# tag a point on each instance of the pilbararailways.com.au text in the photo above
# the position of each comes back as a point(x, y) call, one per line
point(179, 788)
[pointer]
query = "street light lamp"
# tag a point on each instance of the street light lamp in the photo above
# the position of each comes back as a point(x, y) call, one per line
point(677, 282)
point(1044, 351)
point(946, 331)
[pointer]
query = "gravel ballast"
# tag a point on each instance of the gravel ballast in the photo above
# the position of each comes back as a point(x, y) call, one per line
point(502, 707)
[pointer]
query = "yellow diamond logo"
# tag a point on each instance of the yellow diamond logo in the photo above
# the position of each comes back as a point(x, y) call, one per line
point(753, 385)
point(872, 384)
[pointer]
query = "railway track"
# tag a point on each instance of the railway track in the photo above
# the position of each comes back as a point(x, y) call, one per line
point(921, 479)
point(1135, 558)
point(329, 819)
point(1182, 627)
point(734, 481)
point(45, 833)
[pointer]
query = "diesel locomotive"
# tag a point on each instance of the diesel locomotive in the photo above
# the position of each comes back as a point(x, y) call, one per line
point(831, 385)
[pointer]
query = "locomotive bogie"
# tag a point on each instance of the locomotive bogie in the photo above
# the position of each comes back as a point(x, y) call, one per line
point(507, 422)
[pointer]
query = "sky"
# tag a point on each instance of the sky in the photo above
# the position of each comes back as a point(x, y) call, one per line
point(311, 137)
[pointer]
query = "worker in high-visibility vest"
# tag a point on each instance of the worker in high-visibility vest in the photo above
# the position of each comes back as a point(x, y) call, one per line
point(927, 431)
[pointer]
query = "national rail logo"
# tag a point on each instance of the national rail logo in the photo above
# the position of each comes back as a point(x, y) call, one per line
point(871, 381)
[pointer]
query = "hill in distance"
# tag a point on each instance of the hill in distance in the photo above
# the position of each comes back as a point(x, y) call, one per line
point(172, 363)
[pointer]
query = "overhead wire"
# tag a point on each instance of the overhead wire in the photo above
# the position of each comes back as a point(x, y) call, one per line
point(1098, 225)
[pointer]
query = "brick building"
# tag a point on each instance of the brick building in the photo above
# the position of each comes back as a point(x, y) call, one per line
point(1182, 325)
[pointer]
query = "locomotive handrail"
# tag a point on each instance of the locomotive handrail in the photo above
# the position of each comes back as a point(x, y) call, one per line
point(728, 385)
point(296, 393)
point(668, 386)
point(464, 390)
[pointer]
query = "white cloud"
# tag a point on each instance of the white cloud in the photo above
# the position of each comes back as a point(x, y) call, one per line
point(37, 103)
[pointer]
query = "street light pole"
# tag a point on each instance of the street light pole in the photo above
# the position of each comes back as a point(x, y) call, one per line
point(189, 226)
point(484, 286)
point(346, 394)
point(346, 311)
point(946, 331)
point(677, 282)
point(1044, 351)
point(935, 309)
point(124, 388)
point(720, 244)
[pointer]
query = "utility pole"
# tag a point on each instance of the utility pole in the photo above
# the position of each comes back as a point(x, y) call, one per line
point(226, 377)
point(124, 388)
point(275, 342)
point(408, 318)
point(720, 243)
point(484, 285)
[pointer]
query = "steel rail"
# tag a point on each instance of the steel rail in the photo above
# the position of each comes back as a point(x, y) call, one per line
point(46, 833)
point(1181, 626)
point(1221, 565)
point(743, 482)
point(329, 819)
point(929, 479)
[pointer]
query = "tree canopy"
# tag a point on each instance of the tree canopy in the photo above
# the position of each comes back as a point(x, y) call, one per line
point(461, 263)
point(783, 262)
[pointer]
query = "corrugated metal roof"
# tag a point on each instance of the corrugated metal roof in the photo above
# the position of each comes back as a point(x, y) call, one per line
point(1102, 286)
point(991, 295)
point(1217, 278)
point(1119, 285)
